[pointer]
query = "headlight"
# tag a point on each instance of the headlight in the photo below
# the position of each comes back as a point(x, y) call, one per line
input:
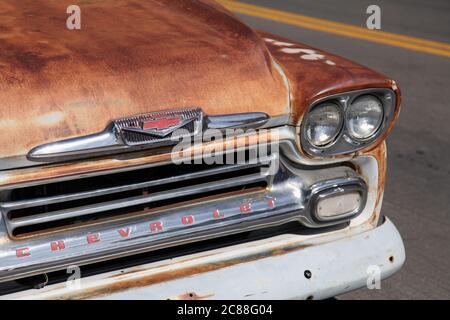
point(323, 124)
point(364, 117)
point(347, 122)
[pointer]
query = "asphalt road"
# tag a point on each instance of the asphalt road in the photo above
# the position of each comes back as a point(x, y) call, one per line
point(417, 194)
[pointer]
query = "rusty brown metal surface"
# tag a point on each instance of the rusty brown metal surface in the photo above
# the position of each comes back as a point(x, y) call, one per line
point(129, 57)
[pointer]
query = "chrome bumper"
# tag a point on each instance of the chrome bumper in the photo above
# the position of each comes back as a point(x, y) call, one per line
point(273, 268)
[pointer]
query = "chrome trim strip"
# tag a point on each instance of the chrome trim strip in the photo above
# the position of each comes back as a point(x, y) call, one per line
point(104, 141)
point(239, 120)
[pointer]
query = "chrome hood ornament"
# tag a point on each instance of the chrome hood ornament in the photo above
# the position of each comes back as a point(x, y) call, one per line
point(144, 131)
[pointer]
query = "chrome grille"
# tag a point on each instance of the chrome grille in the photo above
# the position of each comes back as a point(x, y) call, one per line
point(65, 205)
point(100, 216)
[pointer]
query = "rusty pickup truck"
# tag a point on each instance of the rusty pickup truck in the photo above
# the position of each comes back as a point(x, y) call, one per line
point(167, 150)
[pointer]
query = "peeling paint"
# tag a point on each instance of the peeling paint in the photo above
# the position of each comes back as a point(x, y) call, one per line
point(50, 118)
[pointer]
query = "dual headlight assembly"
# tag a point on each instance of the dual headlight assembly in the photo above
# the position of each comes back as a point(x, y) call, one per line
point(347, 122)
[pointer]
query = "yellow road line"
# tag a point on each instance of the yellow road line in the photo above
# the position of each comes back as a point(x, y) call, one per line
point(412, 43)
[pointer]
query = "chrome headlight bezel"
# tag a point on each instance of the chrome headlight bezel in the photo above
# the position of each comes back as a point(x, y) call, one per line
point(344, 143)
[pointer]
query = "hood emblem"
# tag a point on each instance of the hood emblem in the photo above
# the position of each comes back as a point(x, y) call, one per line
point(159, 126)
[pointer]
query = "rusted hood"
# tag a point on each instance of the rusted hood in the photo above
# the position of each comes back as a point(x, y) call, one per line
point(129, 57)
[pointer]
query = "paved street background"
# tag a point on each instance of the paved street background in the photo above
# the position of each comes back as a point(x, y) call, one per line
point(417, 194)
